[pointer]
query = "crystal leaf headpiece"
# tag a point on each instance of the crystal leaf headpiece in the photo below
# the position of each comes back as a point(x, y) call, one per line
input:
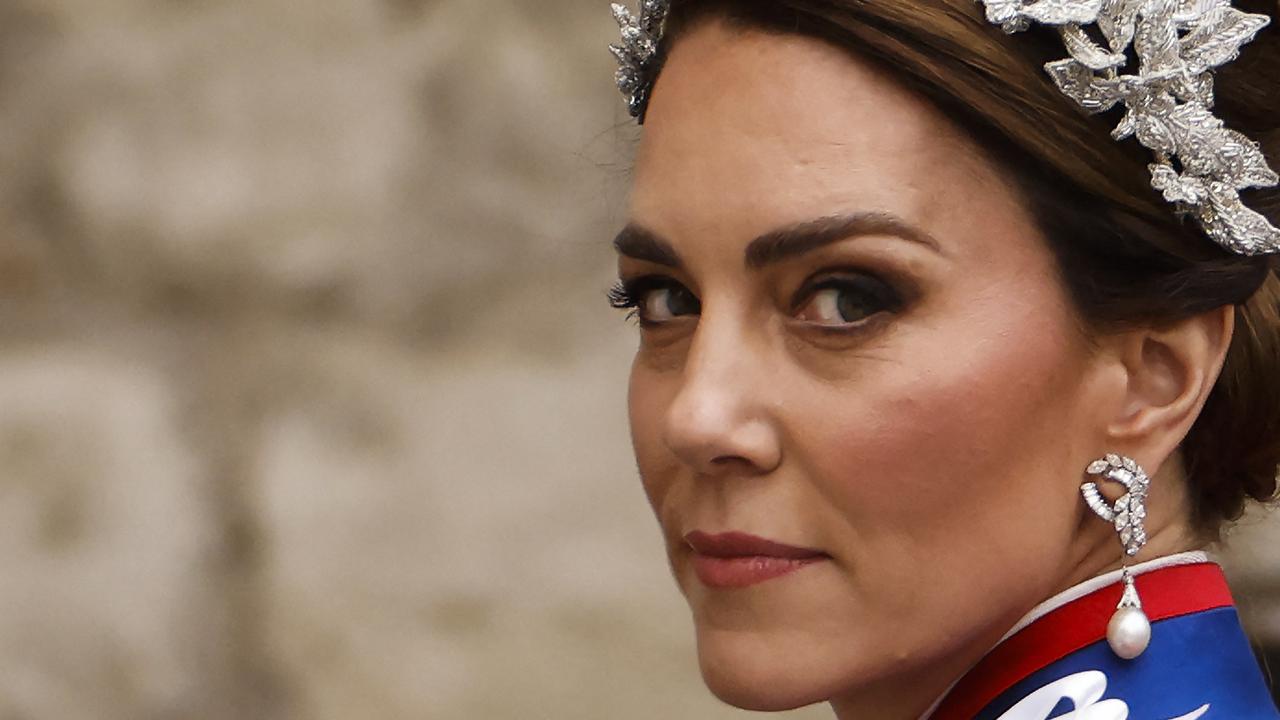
point(638, 52)
point(1200, 166)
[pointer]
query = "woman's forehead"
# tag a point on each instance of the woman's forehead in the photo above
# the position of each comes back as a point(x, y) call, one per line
point(749, 130)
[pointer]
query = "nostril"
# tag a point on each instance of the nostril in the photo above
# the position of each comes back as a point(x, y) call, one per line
point(739, 466)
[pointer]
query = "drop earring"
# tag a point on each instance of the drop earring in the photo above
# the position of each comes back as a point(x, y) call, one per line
point(1129, 631)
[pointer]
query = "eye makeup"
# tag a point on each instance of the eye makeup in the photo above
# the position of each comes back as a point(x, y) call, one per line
point(645, 295)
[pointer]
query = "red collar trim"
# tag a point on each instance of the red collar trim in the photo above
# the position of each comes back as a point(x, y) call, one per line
point(1166, 593)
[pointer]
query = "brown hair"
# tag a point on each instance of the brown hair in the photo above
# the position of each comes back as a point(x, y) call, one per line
point(1125, 257)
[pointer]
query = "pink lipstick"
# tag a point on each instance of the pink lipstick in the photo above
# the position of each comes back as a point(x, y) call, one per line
point(737, 560)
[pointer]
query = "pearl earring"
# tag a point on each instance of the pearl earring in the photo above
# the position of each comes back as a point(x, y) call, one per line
point(1129, 631)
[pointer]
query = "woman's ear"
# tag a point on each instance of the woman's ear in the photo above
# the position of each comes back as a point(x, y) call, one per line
point(1168, 374)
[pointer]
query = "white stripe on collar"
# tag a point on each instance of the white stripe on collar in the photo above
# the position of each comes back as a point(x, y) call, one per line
point(1078, 591)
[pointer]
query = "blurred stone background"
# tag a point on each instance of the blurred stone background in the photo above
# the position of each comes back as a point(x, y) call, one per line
point(311, 405)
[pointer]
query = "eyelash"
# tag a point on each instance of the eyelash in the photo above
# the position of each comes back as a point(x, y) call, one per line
point(629, 293)
point(622, 295)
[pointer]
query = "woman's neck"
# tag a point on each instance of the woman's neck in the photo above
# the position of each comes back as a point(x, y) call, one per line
point(904, 699)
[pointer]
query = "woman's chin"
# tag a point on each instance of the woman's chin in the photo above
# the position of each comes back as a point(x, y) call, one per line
point(749, 674)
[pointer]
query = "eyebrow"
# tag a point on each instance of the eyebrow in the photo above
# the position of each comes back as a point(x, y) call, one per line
point(798, 239)
point(640, 243)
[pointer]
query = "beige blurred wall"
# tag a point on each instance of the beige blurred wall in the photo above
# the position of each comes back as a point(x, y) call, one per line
point(311, 405)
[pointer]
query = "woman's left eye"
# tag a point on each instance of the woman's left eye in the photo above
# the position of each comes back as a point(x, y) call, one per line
point(846, 300)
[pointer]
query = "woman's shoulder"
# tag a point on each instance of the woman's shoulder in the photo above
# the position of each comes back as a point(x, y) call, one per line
point(1199, 663)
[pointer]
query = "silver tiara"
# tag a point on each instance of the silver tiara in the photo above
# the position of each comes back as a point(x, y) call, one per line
point(1200, 166)
point(638, 52)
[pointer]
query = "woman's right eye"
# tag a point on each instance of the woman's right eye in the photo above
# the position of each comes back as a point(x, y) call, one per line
point(655, 300)
point(663, 304)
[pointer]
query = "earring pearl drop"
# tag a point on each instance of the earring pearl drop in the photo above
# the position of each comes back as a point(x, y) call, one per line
point(1129, 631)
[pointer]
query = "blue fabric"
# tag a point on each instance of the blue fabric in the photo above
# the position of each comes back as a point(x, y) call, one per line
point(1193, 660)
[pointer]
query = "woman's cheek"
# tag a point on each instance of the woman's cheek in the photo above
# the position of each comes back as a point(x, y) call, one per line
point(933, 443)
point(647, 405)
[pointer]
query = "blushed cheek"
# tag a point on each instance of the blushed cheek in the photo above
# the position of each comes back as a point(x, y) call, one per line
point(956, 437)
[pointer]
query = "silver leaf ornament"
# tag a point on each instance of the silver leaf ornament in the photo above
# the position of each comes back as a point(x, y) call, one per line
point(1200, 166)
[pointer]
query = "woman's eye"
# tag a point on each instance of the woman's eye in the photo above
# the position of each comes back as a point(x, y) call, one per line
point(847, 300)
point(655, 300)
point(667, 303)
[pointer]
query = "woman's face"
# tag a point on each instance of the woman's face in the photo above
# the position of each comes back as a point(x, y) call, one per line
point(854, 344)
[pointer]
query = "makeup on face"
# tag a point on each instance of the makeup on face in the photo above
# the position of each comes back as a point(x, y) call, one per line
point(854, 355)
point(730, 560)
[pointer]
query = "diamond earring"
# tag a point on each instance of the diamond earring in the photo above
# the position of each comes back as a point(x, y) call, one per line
point(1129, 631)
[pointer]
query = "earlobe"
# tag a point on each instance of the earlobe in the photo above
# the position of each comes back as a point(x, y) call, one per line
point(1170, 372)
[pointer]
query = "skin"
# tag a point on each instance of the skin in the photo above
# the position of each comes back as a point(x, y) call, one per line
point(932, 446)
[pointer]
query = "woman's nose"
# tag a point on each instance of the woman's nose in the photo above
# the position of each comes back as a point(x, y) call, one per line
point(720, 421)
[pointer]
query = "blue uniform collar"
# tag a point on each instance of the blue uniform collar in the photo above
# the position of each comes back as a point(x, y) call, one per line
point(1055, 661)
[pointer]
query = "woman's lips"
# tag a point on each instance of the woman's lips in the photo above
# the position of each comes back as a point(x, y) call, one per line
point(736, 560)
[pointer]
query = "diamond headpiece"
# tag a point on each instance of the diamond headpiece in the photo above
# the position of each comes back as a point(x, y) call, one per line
point(1200, 166)
point(638, 51)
